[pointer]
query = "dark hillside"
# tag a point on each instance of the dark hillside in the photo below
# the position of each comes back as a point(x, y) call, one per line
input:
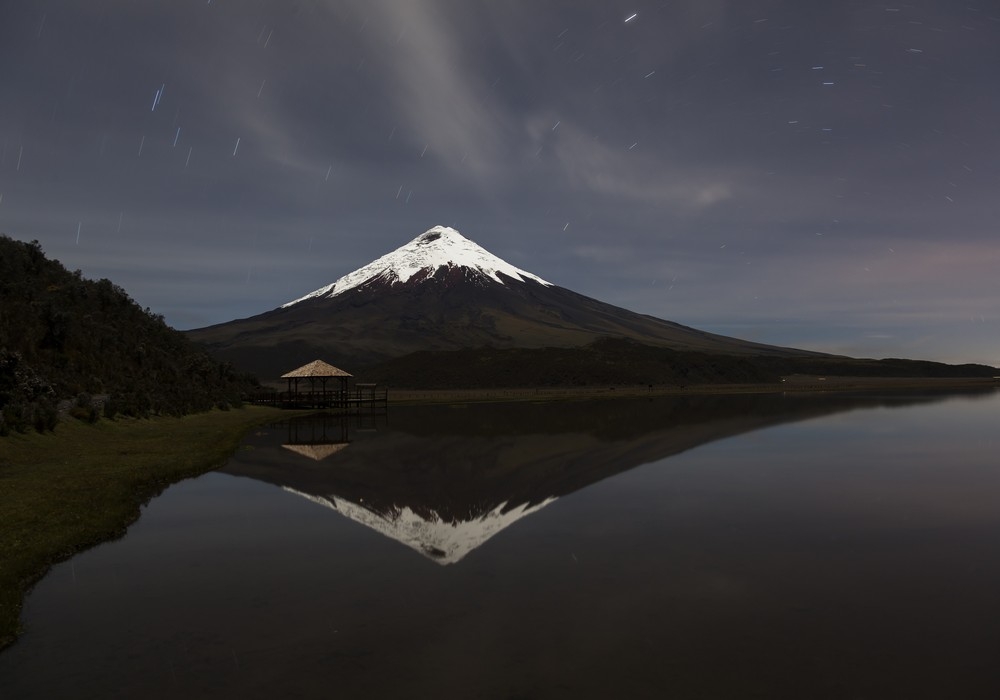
point(611, 361)
point(65, 337)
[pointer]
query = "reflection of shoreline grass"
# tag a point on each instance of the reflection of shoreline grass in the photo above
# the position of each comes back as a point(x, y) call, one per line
point(84, 484)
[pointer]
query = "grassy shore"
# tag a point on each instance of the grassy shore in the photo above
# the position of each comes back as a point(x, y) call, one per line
point(83, 484)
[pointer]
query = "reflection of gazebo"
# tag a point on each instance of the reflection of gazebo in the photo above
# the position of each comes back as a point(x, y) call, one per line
point(317, 452)
point(319, 372)
point(318, 436)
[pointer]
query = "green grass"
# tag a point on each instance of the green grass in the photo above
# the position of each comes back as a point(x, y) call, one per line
point(83, 484)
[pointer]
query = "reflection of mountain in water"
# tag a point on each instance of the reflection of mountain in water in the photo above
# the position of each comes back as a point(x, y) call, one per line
point(443, 480)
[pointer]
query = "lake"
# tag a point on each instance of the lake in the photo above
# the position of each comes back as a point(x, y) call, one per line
point(757, 546)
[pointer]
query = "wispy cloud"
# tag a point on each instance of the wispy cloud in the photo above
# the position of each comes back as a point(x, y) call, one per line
point(442, 102)
point(625, 171)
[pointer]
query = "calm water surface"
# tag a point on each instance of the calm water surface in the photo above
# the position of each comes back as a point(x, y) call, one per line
point(825, 546)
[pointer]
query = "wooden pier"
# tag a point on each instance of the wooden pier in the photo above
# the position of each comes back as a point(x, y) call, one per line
point(357, 398)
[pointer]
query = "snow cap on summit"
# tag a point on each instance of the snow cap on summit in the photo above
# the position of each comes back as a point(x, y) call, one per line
point(438, 247)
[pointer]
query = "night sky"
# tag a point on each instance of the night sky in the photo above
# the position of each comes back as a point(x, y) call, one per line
point(823, 175)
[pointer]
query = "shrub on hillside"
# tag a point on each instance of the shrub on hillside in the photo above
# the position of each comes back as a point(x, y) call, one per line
point(45, 416)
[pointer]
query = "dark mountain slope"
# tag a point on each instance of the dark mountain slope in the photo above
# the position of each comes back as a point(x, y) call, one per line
point(611, 361)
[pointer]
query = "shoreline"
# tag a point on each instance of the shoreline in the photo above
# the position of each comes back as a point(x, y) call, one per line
point(67, 491)
point(791, 384)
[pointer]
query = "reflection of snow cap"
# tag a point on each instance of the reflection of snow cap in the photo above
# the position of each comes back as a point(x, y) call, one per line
point(441, 541)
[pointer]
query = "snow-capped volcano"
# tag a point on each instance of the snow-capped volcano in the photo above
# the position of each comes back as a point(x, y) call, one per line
point(441, 292)
point(439, 248)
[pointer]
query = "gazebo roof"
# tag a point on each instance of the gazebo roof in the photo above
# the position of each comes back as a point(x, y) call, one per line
point(316, 368)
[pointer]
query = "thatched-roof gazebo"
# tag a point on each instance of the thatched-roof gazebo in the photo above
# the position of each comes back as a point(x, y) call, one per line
point(318, 371)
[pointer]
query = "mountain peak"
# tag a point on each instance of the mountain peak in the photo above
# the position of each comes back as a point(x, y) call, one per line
point(436, 248)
